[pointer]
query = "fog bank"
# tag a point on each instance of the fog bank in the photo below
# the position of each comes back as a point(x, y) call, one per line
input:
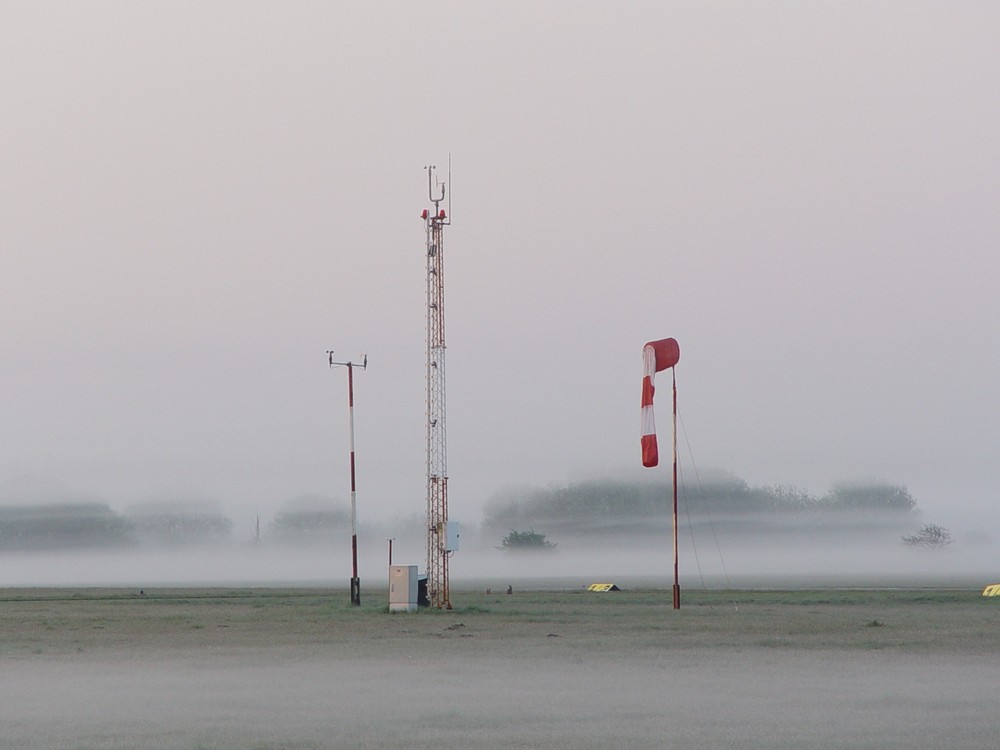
point(762, 561)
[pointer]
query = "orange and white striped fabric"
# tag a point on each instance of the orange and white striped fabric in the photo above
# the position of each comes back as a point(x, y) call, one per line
point(656, 356)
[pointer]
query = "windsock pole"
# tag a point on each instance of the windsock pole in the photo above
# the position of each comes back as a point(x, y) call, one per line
point(657, 356)
point(677, 580)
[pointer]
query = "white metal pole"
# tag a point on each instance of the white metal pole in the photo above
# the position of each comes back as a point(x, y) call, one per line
point(677, 582)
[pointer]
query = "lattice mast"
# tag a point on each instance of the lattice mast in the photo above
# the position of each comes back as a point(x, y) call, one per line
point(438, 590)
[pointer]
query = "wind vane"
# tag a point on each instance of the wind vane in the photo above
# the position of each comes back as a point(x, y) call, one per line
point(355, 581)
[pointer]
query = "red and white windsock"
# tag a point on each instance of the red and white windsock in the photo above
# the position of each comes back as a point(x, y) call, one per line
point(656, 356)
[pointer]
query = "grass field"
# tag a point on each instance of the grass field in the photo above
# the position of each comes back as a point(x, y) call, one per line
point(301, 668)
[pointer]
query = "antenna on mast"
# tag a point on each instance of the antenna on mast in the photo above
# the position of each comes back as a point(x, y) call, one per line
point(436, 190)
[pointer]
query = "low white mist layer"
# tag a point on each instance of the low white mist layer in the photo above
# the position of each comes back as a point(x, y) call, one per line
point(756, 562)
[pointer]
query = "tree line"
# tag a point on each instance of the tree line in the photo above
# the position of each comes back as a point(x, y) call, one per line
point(620, 505)
point(93, 525)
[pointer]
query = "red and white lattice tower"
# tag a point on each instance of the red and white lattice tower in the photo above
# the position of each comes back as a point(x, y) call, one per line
point(438, 591)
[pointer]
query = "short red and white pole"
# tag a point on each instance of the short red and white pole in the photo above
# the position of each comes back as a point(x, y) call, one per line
point(355, 580)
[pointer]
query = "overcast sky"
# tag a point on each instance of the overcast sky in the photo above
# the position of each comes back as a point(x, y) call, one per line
point(197, 200)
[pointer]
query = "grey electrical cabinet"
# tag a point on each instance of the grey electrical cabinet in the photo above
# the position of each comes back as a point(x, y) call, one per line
point(402, 588)
point(451, 536)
